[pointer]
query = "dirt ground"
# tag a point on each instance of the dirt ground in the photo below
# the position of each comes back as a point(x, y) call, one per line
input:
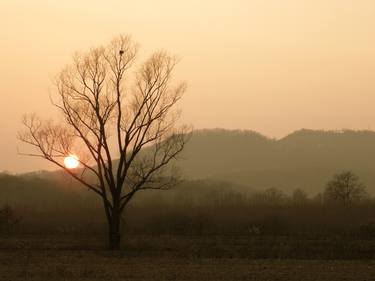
point(101, 265)
point(58, 258)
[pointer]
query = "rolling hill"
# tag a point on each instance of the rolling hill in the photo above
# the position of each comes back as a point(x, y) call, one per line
point(304, 159)
point(249, 161)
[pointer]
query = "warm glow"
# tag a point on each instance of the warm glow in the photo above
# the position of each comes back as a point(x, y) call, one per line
point(71, 161)
point(287, 64)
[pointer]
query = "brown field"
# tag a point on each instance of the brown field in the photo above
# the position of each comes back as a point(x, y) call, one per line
point(91, 265)
point(161, 258)
point(88, 265)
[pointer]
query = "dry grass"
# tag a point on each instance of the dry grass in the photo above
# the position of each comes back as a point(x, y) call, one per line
point(160, 258)
point(91, 265)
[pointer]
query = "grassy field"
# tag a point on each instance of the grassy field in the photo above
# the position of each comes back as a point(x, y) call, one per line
point(164, 258)
point(91, 265)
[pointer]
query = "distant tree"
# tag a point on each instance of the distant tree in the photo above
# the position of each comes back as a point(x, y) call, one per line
point(345, 188)
point(111, 113)
point(318, 199)
point(299, 197)
point(271, 196)
point(8, 219)
point(222, 197)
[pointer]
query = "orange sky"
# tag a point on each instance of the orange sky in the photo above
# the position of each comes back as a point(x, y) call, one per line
point(273, 66)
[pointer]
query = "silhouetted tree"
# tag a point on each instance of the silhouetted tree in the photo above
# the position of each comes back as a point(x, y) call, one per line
point(270, 196)
point(345, 188)
point(8, 219)
point(108, 114)
point(299, 197)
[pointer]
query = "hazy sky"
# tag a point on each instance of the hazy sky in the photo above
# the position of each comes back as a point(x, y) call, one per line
point(273, 66)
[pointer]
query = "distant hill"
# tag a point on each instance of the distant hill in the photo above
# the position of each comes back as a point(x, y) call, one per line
point(212, 152)
point(304, 159)
point(37, 191)
point(249, 161)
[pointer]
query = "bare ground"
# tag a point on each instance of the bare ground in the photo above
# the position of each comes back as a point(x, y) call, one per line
point(32, 258)
point(91, 265)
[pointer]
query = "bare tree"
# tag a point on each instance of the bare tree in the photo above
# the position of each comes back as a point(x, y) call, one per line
point(120, 123)
point(299, 197)
point(345, 188)
point(271, 196)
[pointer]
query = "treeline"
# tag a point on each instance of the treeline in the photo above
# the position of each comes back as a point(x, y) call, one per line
point(343, 208)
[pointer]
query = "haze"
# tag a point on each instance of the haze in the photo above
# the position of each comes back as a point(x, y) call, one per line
point(271, 66)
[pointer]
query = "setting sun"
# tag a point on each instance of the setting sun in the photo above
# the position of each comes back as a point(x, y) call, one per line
point(71, 161)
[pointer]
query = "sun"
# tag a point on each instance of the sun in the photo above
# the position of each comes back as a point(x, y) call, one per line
point(71, 161)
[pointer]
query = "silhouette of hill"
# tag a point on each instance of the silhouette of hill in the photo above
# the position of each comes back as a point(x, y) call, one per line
point(249, 161)
point(217, 151)
point(37, 190)
point(304, 159)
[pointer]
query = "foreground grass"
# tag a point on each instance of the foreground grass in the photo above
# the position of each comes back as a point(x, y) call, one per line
point(91, 265)
point(162, 258)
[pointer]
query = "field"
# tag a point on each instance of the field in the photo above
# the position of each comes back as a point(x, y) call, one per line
point(215, 235)
point(168, 258)
point(68, 265)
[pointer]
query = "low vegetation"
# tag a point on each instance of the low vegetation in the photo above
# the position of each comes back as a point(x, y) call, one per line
point(198, 228)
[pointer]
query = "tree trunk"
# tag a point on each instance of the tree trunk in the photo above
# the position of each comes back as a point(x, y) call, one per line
point(114, 235)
